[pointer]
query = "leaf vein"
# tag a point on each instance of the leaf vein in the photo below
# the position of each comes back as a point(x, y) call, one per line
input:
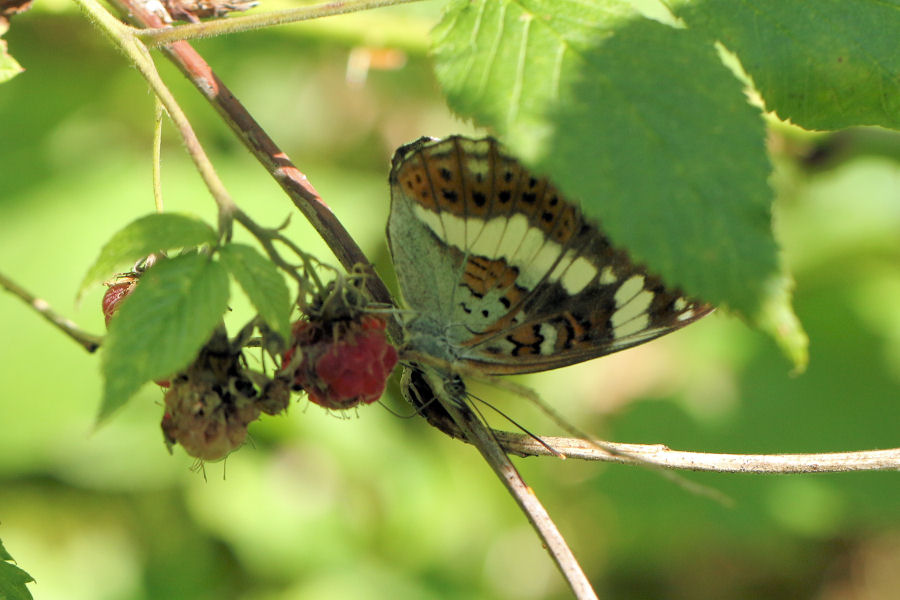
point(492, 54)
point(519, 80)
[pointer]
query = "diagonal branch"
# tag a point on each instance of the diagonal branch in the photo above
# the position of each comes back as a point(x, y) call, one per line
point(476, 433)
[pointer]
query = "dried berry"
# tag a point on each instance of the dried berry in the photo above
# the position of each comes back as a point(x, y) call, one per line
point(206, 422)
point(210, 405)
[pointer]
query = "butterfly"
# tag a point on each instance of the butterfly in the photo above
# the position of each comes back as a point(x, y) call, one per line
point(505, 275)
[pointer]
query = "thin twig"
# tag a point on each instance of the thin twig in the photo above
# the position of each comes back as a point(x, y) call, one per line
point(88, 341)
point(265, 237)
point(481, 437)
point(663, 456)
point(161, 36)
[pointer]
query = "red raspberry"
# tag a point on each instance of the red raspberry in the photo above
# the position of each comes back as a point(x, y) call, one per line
point(346, 367)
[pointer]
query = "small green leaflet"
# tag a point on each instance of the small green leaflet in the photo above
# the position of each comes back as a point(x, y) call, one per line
point(146, 235)
point(12, 579)
point(163, 324)
point(263, 284)
point(826, 64)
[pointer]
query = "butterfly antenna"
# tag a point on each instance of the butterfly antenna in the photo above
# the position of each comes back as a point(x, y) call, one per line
point(414, 413)
point(532, 396)
point(515, 424)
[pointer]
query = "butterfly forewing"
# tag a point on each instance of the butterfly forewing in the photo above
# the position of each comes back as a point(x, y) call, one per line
point(506, 273)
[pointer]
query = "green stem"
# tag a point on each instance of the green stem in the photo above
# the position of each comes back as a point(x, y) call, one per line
point(167, 35)
point(265, 237)
point(157, 154)
point(123, 37)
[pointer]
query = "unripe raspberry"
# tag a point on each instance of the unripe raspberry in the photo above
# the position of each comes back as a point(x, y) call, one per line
point(114, 295)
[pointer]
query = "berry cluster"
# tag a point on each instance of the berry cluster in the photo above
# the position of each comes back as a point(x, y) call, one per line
point(344, 363)
point(209, 404)
point(339, 354)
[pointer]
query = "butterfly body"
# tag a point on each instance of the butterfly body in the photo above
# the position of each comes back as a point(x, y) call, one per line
point(504, 275)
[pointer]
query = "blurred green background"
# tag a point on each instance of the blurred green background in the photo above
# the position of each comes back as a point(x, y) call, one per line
point(374, 505)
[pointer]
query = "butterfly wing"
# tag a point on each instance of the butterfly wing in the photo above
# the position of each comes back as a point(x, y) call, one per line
point(505, 274)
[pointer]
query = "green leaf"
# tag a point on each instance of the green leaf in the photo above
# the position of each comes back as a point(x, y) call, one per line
point(12, 582)
point(262, 282)
point(640, 121)
point(146, 235)
point(12, 579)
point(505, 64)
point(161, 326)
point(826, 64)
